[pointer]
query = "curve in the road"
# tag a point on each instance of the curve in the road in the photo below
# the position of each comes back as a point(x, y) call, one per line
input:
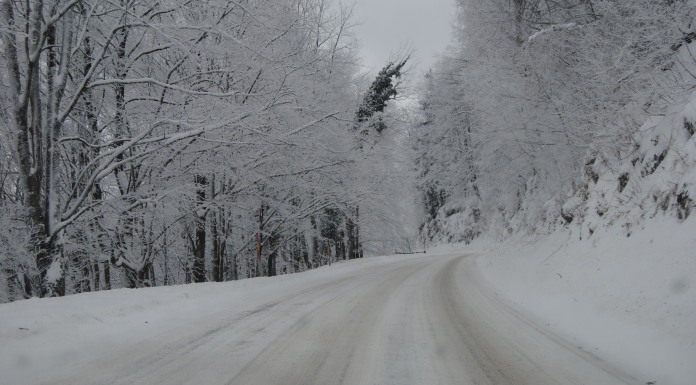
point(427, 320)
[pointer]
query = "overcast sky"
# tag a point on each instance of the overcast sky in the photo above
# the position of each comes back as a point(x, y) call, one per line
point(387, 25)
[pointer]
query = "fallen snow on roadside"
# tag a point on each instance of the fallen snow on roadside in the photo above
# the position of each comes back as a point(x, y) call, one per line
point(630, 300)
point(42, 338)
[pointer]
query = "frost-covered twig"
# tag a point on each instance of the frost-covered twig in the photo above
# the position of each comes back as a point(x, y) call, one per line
point(555, 27)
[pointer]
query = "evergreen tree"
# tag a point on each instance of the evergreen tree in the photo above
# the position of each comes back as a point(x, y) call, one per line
point(381, 91)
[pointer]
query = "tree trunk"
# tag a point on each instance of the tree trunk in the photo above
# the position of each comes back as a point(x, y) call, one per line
point(272, 254)
point(199, 244)
point(350, 231)
point(259, 242)
point(217, 257)
point(143, 278)
point(96, 275)
point(358, 242)
point(24, 92)
point(305, 253)
point(234, 273)
point(315, 239)
point(217, 261)
point(107, 275)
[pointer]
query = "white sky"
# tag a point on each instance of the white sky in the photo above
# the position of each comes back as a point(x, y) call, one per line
point(385, 26)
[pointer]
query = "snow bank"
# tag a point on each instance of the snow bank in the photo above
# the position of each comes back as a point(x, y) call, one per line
point(629, 300)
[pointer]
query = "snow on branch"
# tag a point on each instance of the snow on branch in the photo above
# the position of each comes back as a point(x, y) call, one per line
point(151, 81)
point(555, 27)
point(310, 124)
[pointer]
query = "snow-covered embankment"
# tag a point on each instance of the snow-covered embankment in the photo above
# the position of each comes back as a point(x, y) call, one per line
point(620, 278)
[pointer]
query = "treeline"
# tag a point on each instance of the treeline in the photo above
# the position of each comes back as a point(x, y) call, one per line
point(534, 97)
point(156, 143)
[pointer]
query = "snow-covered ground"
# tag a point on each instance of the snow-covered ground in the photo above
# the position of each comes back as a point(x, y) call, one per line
point(630, 300)
point(40, 338)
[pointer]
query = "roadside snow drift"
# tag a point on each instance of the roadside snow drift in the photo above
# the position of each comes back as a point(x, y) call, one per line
point(628, 299)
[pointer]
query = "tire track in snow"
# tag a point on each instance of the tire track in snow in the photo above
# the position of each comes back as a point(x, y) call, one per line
point(422, 320)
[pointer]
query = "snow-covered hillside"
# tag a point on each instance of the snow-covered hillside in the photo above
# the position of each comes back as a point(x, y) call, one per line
point(614, 268)
point(630, 300)
point(566, 154)
point(658, 179)
point(529, 131)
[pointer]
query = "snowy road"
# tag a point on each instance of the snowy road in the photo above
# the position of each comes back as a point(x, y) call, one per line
point(417, 320)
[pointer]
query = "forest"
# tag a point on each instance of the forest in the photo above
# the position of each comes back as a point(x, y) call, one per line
point(161, 143)
point(548, 115)
point(158, 143)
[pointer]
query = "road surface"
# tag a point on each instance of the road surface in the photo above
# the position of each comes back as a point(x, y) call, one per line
point(421, 320)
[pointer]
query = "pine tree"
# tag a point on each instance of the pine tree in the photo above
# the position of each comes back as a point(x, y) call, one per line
point(381, 91)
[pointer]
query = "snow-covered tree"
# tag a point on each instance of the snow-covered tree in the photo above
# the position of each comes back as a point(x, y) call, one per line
point(544, 88)
point(146, 136)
